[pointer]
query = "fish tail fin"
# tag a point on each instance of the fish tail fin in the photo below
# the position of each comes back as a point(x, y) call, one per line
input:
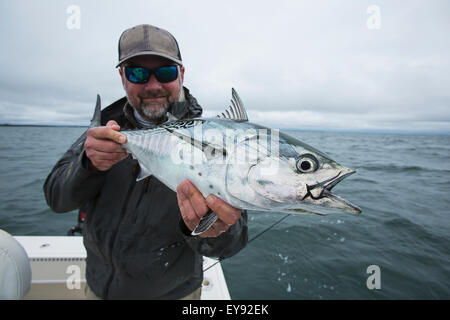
point(205, 223)
point(97, 117)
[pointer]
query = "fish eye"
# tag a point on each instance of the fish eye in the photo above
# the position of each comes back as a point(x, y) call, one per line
point(307, 163)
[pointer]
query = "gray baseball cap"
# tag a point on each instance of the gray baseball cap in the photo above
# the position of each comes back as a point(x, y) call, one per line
point(145, 39)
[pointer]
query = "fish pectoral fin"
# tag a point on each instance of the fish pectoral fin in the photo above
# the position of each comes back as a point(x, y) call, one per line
point(236, 111)
point(143, 173)
point(205, 223)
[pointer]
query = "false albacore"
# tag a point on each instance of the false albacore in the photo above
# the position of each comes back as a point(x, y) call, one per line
point(247, 165)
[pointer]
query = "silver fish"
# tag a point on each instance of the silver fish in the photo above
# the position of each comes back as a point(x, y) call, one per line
point(247, 165)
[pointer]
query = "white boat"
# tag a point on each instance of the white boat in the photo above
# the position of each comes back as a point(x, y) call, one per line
point(58, 269)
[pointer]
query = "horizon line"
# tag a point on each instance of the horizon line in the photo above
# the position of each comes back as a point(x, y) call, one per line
point(369, 131)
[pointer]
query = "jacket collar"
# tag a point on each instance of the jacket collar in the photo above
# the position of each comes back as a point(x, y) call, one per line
point(189, 108)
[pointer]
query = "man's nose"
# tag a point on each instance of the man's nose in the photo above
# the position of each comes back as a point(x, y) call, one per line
point(153, 83)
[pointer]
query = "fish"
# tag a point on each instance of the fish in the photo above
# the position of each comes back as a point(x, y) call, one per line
point(249, 166)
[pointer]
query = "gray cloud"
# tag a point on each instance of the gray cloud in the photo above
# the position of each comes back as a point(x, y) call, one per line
point(296, 64)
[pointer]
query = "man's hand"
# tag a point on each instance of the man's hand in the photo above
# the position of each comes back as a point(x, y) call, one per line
point(102, 146)
point(194, 206)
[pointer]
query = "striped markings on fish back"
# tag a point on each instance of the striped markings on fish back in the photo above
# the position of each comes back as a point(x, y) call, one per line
point(182, 124)
point(213, 151)
point(156, 140)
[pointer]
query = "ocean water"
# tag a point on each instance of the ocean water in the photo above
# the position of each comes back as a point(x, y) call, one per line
point(402, 185)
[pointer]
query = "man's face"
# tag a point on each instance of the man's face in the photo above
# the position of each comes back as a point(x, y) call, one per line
point(151, 100)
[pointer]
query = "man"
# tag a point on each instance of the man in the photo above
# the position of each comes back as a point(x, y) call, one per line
point(137, 234)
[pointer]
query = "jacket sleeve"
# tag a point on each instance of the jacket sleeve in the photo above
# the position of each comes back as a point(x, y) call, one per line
point(69, 185)
point(224, 246)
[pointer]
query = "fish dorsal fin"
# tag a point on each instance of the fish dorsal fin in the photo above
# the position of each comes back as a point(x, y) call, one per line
point(236, 111)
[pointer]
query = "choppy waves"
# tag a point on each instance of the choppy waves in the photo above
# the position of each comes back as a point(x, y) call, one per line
point(402, 185)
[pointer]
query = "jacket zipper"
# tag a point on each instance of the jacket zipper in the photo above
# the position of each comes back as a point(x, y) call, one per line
point(122, 213)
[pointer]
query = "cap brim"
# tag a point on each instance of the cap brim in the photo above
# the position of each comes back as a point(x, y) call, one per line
point(150, 53)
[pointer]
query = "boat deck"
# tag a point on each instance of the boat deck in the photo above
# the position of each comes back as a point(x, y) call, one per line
point(58, 270)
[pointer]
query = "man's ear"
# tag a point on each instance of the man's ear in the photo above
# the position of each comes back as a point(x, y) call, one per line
point(122, 76)
point(182, 73)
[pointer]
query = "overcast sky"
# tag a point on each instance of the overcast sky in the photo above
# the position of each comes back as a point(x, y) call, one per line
point(320, 65)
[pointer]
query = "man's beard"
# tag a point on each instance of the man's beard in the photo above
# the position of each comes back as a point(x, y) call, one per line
point(152, 111)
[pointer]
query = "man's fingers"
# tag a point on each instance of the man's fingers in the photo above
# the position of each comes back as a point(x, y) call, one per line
point(189, 215)
point(104, 165)
point(115, 136)
point(215, 230)
point(193, 206)
point(105, 156)
point(107, 133)
point(193, 195)
point(104, 146)
point(186, 207)
point(228, 214)
point(112, 123)
point(219, 227)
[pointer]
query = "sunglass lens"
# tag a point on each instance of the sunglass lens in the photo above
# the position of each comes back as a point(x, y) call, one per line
point(166, 74)
point(137, 74)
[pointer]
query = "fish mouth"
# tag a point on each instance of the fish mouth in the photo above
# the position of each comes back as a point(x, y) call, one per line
point(330, 183)
point(320, 194)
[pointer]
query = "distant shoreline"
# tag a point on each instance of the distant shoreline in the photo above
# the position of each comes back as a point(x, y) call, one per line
point(41, 125)
point(418, 133)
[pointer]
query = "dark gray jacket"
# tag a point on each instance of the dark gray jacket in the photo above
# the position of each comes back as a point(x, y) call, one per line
point(136, 242)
